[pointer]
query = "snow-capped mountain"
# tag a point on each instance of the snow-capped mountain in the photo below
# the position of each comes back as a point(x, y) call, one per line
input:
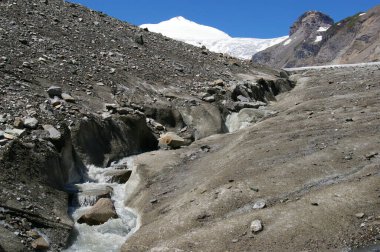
point(187, 31)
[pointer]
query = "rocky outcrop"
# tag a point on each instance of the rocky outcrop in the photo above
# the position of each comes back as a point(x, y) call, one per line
point(100, 142)
point(101, 212)
point(316, 40)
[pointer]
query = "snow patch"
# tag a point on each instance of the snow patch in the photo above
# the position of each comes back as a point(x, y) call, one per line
point(179, 28)
point(318, 39)
point(287, 42)
point(362, 14)
point(323, 29)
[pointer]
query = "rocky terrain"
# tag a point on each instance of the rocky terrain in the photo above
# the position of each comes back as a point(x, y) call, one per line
point(79, 88)
point(306, 179)
point(230, 156)
point(315, 39)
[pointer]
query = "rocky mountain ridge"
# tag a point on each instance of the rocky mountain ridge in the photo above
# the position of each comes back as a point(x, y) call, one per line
point(316, 40)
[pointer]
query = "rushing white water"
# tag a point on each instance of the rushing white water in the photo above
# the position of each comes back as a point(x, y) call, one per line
point(111, 235)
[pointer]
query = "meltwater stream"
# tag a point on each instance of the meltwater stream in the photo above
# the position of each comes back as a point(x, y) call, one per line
point(112, 234)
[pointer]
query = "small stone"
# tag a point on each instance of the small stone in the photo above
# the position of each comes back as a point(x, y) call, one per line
point(171, 139)
point(54, 134)
point(30, 123)
point(153, 201)
point(260, 204)
point(54, 91)
point(255, 189)
point(124, 111)
point(235, 240)
point(359, 215)
point(55, 102)
point(18, 123)
point(242, 98)
point(209, 98)
point(68, 97)
point(218, 82)
point(8, 137)
point(139, 39)
point(33, 233)
point(371, 155)
point(256, 226)
point(14, 132)
point(40, 244)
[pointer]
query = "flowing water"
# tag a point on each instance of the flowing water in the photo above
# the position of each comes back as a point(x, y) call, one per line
point(111, 235)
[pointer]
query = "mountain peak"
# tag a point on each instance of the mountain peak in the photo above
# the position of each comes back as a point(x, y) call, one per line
point(310, 21)
point(179, 18)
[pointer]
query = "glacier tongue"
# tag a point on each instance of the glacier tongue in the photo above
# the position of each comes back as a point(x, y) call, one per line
point(179, 28)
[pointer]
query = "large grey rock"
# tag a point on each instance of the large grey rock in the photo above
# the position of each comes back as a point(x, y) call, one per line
point(30, 123)
point(54, 91)
point(100, 213)
point(118, 176)
point(246, 117)
point(205, 118)
point(54, 134)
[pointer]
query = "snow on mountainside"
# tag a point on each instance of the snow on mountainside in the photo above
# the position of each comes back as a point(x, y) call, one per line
point(180, 28)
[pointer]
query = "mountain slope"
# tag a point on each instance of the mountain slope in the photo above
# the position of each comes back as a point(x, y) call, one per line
point(213, 39)
point(318, 41)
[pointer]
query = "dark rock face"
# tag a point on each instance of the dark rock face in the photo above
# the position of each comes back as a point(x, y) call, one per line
point(101, 142)
point(315, 40)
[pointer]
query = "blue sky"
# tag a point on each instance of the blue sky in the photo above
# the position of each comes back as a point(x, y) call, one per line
point(238, 18)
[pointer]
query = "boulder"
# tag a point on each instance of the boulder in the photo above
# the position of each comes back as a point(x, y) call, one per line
point(54, 91)
point(245, 118)
point(205, 118)
point(100, 213)
point(30, 123)
point(118, 176)
point(171, 139)
point(54, 134)
point(40, 244)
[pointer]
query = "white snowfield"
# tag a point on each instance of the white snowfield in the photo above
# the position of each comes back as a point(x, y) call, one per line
point(332, 66)
point(318, 39)
point(179, 28)
point(323, 29)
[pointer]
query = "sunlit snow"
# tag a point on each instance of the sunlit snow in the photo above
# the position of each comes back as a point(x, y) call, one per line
point(323, 29)
point(287, 42)
point(184, 30)
point(362, 14)
point(318, 39)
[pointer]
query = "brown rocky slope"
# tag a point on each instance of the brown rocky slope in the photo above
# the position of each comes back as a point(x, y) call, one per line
point(352, 40)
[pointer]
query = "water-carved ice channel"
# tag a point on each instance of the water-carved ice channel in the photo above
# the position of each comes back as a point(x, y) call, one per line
point(111, 235)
